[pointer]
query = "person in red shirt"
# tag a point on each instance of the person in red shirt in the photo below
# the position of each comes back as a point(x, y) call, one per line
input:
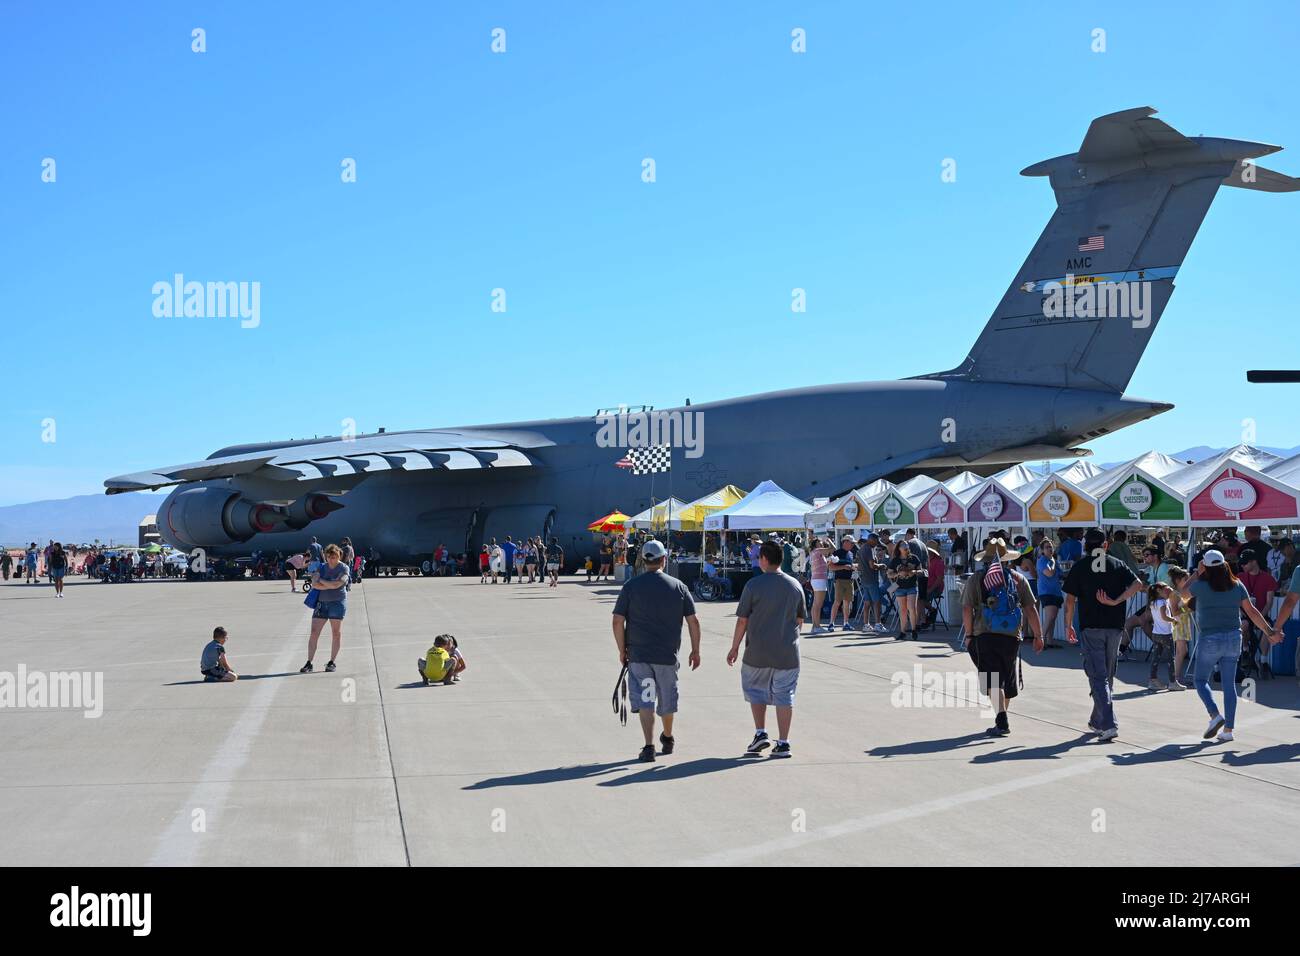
point(1260, 585)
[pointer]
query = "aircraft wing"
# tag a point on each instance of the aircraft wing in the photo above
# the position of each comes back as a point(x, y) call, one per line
point(361, 456)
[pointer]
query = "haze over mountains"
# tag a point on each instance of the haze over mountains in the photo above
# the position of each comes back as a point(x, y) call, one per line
point(84, 518)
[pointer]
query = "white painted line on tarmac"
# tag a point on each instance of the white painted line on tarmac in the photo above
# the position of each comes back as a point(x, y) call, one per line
point(874, 821)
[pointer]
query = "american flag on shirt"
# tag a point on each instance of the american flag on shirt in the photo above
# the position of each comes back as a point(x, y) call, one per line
point(1092, 243)
point(993, 577)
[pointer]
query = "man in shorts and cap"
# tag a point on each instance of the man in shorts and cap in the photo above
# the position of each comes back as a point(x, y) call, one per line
point(994, 604)
point(648, 619)
point(768, 619)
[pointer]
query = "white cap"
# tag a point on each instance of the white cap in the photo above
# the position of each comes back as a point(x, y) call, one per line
point(1213, 558)
point(653, 550)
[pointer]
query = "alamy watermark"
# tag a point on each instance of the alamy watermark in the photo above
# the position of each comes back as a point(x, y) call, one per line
point(650, 429)
point(55, 690)
point(933, 688)
point(210, 300)
point(1085, 297)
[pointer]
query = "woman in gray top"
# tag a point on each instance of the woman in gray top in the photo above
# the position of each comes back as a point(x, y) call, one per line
point(331, 605)
point(1220, 601)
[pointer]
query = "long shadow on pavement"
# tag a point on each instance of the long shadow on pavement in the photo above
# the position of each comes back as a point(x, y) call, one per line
point(918, 747)
point(692, 768)
point(552, 775)
point(242, 678)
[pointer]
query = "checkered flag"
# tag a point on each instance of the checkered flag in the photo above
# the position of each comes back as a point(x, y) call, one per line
point(648, 461)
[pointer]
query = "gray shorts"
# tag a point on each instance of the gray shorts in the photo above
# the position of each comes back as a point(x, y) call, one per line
point(654, 685)
point(769, 685)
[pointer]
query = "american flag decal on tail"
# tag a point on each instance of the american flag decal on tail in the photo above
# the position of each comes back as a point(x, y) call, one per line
point(1092, 243)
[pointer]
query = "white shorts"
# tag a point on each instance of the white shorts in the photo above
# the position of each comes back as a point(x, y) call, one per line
point(819, 584)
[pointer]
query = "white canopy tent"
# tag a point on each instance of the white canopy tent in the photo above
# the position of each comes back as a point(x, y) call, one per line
point(767, 508)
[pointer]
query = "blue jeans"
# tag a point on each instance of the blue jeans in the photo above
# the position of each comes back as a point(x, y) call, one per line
point(1218, 649)
point(1100, 649)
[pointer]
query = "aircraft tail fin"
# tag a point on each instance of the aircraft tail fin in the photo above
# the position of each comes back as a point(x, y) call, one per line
point(1084, 305)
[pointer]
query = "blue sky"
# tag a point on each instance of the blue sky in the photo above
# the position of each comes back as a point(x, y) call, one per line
point(522, 171)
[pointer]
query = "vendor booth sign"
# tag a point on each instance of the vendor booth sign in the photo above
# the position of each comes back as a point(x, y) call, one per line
point(1059, 502)
point(940, 508)
point(892, 512)
point(1240, 494)
point(1138, 498)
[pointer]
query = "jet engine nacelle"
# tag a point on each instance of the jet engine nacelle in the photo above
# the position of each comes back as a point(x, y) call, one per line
point(309, 508)
point(206, 516)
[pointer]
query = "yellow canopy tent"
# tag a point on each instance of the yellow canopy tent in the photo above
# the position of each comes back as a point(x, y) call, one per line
point(693, 513)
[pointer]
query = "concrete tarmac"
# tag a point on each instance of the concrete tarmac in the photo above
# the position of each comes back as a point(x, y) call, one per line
point(524, 763)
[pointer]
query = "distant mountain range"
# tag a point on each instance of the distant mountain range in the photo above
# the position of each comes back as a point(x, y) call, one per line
point(78, 520)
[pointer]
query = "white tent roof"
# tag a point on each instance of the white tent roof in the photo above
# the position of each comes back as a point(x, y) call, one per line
point(1153, 463)
point(1190, 477)
point(767, 507)
point(657, 514)
point(959, 483)
point(1017, 477)
point(1286, 470)
point(917, 487)
point(875, 489)
point(1079, 471)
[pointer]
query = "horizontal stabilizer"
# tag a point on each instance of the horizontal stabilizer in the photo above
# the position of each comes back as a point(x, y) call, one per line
point(1250, 176)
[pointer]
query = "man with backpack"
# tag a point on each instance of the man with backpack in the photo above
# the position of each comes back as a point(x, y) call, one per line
point(995, 603)
point(1101, 585)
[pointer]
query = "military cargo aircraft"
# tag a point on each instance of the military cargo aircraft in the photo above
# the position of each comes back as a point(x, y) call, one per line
point(1046, 374)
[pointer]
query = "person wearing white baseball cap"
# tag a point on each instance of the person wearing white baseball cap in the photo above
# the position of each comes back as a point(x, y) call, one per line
point(1221, 600)
point(647, 624)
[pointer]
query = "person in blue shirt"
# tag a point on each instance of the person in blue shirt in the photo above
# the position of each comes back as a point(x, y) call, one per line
point(1071, 549)
point(1050, 596)
point(1285, 611)
point(508, 552)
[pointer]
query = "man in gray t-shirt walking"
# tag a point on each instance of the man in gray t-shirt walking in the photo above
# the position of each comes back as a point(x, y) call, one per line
point(648, 618)
point(770, 613)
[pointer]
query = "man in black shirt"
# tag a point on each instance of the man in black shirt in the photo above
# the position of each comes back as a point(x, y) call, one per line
point(1101, 586)
point(841, 563)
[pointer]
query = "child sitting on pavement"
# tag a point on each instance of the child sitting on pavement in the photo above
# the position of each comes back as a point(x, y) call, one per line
point(439, 666)
point(213, 664)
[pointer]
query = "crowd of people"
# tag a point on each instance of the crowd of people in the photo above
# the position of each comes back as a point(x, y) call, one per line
point(1016, 588)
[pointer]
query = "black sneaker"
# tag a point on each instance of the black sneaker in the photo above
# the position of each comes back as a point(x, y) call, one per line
point(758, 744)
point(998, 730)
point(647, 754)
point(331, 667)
point(306, 668)
point(667, 743)
point(781, 750)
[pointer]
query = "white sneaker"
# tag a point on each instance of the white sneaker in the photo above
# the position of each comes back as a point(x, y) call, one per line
point(1224, 736)
point(1215, 724)
point(1106, 736)
point(817, 629)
